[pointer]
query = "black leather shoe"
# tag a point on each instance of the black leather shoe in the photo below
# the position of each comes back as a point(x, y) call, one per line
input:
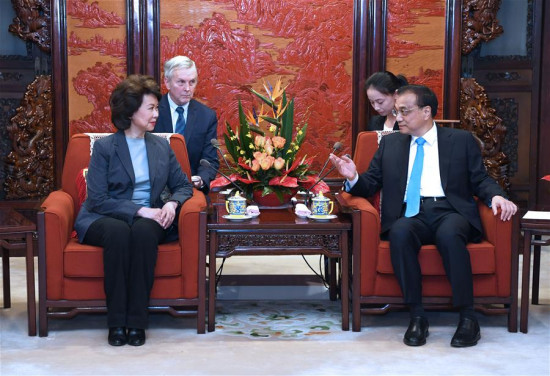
point(417, 332)
point(136, 337)
point(117, 336)
point(467, 333)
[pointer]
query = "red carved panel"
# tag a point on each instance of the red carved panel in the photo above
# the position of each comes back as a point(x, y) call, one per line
point(237, 44)
point(96, 49)
point(415, 42)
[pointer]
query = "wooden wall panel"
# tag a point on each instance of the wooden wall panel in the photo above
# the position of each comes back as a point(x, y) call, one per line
point(239, 44)
point(415, 42)
point(96, 61)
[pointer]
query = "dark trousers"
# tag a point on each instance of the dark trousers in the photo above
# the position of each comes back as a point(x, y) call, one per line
point(436, 223)
point(129, 258)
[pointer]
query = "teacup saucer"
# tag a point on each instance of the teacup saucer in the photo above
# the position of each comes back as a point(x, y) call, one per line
point(322, 217)
point(233, 217)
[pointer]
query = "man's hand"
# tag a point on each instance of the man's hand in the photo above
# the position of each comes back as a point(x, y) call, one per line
point(344, 165)
point(197, 181)
point(507, 208)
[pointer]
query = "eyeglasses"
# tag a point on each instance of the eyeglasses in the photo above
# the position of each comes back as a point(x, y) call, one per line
point(403, 111)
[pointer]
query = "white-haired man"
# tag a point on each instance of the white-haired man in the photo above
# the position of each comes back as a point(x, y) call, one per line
point(197, 123)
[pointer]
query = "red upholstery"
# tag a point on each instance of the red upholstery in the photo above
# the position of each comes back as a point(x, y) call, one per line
point(71, 274)
point(494, 264)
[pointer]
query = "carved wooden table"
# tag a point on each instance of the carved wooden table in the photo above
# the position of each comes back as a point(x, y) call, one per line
point(532, 231)
point(279, 232)
point(17, 231)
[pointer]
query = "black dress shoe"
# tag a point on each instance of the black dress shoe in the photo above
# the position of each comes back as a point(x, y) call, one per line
point(467, 333)
point(117, 336)
point(136, 337)
point(417, 332)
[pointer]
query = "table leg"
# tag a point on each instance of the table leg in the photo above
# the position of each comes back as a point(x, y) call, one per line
point(31, 302)
point(344, 284)
point(333, 288)
point(6, 277)
point(536, 272)
point(212, 281)
point(524, 306)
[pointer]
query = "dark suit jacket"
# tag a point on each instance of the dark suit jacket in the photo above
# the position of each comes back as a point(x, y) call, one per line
point(200, 128)
point(111, 179)
point(376, 123)
point(463, 175)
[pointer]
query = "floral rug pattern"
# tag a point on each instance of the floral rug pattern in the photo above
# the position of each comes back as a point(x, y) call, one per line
point(274, 319)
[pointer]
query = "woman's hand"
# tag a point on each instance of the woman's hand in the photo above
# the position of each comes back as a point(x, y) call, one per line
point(164, 217)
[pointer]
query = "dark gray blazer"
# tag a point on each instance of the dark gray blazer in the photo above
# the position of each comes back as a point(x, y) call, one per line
point(463, 175)
point(111, 179)
point(201, 127)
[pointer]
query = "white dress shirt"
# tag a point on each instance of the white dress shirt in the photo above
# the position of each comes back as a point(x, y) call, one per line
point(175, 114)
point(430, 183)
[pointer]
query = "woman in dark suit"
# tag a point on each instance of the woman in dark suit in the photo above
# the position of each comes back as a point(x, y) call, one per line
point(124, 213)
point(381, 87)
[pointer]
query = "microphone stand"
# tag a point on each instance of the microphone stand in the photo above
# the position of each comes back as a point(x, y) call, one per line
point(205, 163)
point(337, 146)
point(321, 178)
point(215, 144)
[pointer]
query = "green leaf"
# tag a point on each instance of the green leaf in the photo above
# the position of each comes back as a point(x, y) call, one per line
point(245, 139)
point(271, 120)
point(287, 123)
point(262, 97)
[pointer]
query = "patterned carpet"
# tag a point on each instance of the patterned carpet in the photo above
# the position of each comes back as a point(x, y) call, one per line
point(279, 319)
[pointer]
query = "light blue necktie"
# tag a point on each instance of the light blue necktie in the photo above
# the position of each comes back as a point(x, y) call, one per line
point(413, 189)
point(180, 123)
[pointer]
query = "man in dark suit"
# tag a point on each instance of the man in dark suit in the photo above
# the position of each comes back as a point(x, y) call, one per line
point(180, 113)
point(429, 202)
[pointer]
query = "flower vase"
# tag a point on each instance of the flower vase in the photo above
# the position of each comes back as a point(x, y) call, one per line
point(271, 200)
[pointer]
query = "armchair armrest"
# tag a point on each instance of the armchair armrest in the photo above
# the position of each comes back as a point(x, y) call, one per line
point(190, 238)
point(59, 214)
point(499, 234)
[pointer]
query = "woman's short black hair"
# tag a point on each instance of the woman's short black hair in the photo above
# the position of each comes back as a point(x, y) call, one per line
point(127, 97)
point(385, 82)
point(424, 96)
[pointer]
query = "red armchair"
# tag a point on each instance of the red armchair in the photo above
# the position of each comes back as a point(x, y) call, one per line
point(375, 289)
point(71, 274)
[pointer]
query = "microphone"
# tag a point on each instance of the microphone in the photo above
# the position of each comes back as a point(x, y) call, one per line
point(216, 144)
point(321, 178)
point(337, 146)
point(205, 163)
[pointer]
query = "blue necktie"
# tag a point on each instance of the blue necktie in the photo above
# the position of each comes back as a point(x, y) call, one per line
point(180, 123)
point(413, 189)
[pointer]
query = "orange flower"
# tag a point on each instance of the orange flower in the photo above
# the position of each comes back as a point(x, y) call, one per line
point(278, 142)
point(255, 165)
point(279, 163)
point(267, 162)
point(268, 147)
point(259, 141)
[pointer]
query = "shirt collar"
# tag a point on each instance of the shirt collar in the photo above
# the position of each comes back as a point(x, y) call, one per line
point(430, 136)
point(173, 105)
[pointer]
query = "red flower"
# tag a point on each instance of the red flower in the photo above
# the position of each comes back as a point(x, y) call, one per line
point(547, 177)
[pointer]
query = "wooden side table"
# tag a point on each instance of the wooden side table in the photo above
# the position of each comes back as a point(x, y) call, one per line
point(17, 231)
point(534, 224)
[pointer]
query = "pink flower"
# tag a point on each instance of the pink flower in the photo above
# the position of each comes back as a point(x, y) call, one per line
point(278, 142)
point(279, 163)
point(259, 141)
point(267, 162)
point(547, 177)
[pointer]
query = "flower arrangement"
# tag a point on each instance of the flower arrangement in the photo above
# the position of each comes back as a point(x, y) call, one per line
point(264, 149)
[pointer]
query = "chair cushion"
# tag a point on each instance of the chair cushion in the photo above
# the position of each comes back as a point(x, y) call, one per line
point(86, 261)
point(482, 256)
